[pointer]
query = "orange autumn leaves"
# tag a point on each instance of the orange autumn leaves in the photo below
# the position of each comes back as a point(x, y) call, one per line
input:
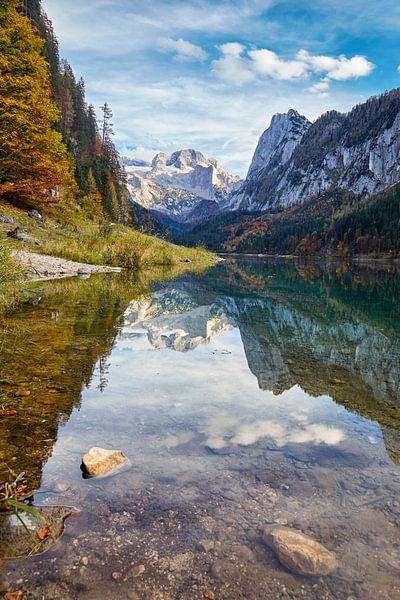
point(33, 160)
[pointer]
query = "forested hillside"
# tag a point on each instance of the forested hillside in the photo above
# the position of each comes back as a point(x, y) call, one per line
point(332, 186)
point(52, 146)
point(338, 222)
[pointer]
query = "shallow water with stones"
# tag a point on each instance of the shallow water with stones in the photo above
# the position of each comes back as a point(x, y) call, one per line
point(261, 391)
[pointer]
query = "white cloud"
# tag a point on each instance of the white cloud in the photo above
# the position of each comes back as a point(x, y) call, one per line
point(232, 67)
point(321, 88)
point(238, 65)
point(339, 69)
point(139, 152)
point(268, 63)
point(183, 50)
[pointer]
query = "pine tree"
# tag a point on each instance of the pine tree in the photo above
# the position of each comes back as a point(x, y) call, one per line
point(93, 200)
point(33, 159)
point(106, 125)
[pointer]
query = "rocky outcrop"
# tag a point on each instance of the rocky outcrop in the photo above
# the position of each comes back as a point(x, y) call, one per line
point(299, 553)
point(41, 267)
point(277, 143)
point(295, 160)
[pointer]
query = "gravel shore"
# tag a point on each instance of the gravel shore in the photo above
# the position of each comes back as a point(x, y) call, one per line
point(41, 267)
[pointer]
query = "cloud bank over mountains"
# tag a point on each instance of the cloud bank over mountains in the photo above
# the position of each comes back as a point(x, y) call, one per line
point(210, 75)
point(239, 65)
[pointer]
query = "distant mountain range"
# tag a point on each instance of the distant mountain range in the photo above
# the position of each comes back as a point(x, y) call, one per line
point(310, 187)
point(182, 189)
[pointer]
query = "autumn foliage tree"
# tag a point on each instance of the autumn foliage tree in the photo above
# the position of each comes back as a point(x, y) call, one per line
point(33, 159)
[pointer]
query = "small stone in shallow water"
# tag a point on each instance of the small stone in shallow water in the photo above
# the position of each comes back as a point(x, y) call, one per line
point(62, 486)
point(223, 571)
point(14, 595)
point(206, 545)
point(99, 461)
point(299, 553)
point(138, 570)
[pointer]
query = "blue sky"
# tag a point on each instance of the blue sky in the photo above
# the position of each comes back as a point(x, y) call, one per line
point(209, 75)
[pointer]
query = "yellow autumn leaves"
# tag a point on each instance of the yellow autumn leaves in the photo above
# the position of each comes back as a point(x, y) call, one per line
point(33, 159)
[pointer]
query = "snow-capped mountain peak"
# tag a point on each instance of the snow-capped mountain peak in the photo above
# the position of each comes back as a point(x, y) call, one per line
point(176, 185)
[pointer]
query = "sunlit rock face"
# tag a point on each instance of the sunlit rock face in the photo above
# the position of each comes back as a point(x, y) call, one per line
point(296, 160)
point(185, 186)
point(277, 143)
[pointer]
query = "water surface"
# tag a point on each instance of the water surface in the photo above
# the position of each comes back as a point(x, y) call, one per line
point(261, 391)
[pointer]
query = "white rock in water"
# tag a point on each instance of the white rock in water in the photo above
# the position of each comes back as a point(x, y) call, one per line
point(99, 461)
point(299, 553)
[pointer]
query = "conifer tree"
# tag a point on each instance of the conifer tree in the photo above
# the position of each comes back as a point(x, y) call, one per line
point(33, 159)
point(106, 125)
point(94, 198)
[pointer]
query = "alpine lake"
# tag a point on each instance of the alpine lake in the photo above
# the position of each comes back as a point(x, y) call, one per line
point(263, 392)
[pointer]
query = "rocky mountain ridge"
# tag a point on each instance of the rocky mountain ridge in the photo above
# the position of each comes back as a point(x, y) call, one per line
point(185, 186)
point(330, 187)
point(277, 143)
point(296, 160)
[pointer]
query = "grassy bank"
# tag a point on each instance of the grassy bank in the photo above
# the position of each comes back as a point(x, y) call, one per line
point(73, 235)
point(122, 246)
point(70, 234)
point(11, 275)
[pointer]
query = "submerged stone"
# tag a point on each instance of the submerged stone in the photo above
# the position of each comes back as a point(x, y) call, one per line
point(99, 461)
point(206, 545)
point(138, 570)
point(299, 553)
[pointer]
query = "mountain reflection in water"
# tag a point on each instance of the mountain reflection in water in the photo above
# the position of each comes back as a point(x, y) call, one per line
point(261, 391)
point(298, 325)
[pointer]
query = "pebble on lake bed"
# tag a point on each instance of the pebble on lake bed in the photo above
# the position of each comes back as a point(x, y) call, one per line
point(99, 461)
point(299, 553)
point(138, 570)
